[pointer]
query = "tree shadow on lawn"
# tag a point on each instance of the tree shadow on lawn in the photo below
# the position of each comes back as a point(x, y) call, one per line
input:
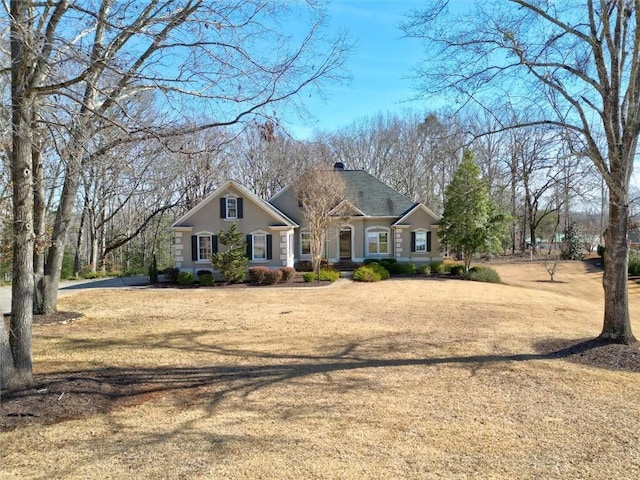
point(60, 396)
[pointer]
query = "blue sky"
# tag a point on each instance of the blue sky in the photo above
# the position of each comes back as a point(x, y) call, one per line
point(379, 66)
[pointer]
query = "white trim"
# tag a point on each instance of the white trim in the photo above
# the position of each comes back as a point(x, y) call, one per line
point(378, 229)
point(425, 231)
point(350, 205)
point(226, 207)
point(255, 234)
point(203, 234)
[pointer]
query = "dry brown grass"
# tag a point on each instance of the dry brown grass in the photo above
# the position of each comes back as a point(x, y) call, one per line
point(400, 379)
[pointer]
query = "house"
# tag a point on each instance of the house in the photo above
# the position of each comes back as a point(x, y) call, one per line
point(376, 222)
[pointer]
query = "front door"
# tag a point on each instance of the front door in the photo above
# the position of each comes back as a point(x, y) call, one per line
point(345, 244)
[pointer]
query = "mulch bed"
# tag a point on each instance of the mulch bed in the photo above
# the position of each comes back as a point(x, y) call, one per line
point(594, 353)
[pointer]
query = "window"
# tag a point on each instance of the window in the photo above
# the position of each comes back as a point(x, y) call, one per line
point(421, 242)
point(232, 207)
point(378, 242)
point(305, 243)
point(204, 248)
point(259, 247)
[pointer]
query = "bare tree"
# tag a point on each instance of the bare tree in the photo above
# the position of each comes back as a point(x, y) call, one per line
point(79, 63)
point(320, 192)
point(265, 159)
point(575, 65)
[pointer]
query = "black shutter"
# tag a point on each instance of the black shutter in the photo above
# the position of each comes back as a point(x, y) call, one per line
point(249, 247)
point(428, 241)
point(223, 207)
point(239, 206)
point(413, 241)
point(214, 243)
point(194, 248)
point(269, 247)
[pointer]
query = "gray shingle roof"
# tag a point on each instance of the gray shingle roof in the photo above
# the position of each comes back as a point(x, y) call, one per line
point(373, 197)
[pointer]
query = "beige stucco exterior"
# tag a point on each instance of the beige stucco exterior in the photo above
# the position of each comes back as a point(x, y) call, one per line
point(281, 221)
point(258, 218)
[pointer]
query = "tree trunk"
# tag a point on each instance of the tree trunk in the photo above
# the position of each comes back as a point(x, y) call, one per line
point(39, 230)
point(76, 259)
point(7, 372)
point(617, 325)
point(64, 214)
point(22, 104)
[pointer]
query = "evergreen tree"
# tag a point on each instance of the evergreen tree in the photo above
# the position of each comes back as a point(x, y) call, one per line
point(471, 222)
point(232, 263)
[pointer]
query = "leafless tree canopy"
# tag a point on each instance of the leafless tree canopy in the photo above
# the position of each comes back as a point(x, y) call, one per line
point(321, 193)
point(98, 85)
point(574, 66)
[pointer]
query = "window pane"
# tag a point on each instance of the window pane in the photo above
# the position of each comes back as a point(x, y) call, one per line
point(232, 208)
point(259, 247)
point(305, 243)
point(383, 245)
point(204, 247)
point(372, 242)
point(421, 241)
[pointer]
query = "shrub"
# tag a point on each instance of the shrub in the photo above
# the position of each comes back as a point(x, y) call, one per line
point(185, 278)
point(486, 274)
point(409, 268)
point(387, 261)
point(326, 275)
point(437, 267)
point(634, 263)
point(424, 270)
point(366, 274)
point(393, 268)
point(172, 273)
point(206, 279)
point(271, 277)
point(456, 269)
point(256, 274)
point(329, 274)
point(303, 266)
point(379, 269)
point(89, 275)
point(288, 274)
point(367, 261)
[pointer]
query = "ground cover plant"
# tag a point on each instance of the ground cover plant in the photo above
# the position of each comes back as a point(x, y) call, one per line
point(407, 378)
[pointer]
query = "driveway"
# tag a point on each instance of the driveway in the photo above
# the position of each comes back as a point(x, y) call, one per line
point(69, 286)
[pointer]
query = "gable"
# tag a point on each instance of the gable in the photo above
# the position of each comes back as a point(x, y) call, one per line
point(418, 215)
point(246, 205)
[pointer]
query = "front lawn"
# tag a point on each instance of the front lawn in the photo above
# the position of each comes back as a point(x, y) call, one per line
point(408, 378)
